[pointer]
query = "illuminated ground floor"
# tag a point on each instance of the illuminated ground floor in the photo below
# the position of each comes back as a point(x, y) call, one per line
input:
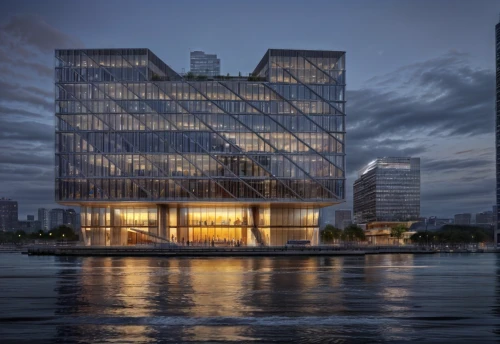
point(119, 225)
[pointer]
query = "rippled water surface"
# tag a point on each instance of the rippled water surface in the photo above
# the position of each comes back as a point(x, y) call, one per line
point(376, 298)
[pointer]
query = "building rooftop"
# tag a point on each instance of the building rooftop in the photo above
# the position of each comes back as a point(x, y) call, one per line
point(170, 74)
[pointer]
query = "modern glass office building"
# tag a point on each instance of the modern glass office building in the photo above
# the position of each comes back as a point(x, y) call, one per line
point(204, 64)
point(388, 189)
point(151, 156)
point(497, 121)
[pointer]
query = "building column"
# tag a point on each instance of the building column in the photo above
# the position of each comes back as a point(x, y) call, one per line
point(255, 236)
point(162, 216)
point(83, 224)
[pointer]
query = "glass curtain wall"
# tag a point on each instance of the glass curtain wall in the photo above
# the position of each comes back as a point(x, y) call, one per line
point(130, 129)
point(106, 226)
point(388, 189)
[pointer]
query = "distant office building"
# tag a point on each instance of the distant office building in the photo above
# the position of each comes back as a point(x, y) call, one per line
point(495, 212)
point(43, 217)
point(388, 189)
point(28, 226)
point(342, 218)
point(56, 217)
point(443, 222)
point(204, 64)
point(8, 214)
point(463, 219)
point(484, 218)
point(71, 218)
point(497, 224)
point(326, 216)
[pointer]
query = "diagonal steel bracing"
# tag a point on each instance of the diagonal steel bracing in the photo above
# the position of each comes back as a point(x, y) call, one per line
point(312, 121)
point(215, 181)
point(83, 104)
point(285, 129)
point(271, 116)
point(197, 143)
point(254, 133)
point(106, 156)
point(154, 132)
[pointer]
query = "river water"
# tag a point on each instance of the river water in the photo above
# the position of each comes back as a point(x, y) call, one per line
point(376, 298)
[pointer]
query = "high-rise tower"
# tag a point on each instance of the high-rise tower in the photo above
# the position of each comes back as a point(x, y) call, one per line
point(497, 134)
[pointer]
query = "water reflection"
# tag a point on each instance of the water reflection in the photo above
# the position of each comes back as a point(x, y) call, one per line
point(321, 299)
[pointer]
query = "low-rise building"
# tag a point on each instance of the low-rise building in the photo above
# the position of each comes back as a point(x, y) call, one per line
point(484, 218)
point(379, 233)
point(463, 219)
point(29, 226)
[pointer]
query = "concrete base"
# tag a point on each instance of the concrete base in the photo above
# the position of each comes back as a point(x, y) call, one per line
point(152, 251)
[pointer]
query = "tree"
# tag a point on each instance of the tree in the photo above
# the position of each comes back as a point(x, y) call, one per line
point(453, 234)
point(190, 76)
point(63, 232)
point(330, 233)
point(38, 235)
point(353, 233)
point(398, 230)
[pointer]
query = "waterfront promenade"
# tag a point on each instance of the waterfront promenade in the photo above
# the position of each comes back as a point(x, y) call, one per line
point(189, 251)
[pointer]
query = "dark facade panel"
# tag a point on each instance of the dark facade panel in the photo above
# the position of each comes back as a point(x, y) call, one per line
point(497, 136)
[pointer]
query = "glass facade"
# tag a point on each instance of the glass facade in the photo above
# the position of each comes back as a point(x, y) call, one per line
point(204, 64)
point(132, 133)
point(388, 189)
point(497, 141)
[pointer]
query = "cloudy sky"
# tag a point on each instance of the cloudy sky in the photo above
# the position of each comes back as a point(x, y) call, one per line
point(420, 77)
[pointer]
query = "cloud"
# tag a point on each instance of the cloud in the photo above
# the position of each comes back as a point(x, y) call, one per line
point(445, 96)
point(33, 31)
point(19, 112)
point(27, 95)
point(455, 164)
point(441, 110)
point(27, 45)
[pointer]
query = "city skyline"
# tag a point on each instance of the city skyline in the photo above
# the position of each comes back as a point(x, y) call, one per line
point(386, 114)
